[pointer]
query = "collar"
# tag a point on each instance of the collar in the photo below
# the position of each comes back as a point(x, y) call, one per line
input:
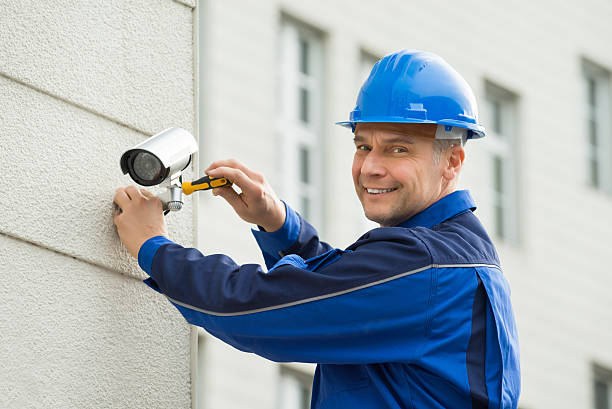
point(451, 205)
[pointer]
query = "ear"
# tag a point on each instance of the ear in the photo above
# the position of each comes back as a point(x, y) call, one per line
point(453, 161)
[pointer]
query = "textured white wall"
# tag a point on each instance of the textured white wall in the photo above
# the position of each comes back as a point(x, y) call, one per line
point(558, 272)
point(75, 335)
point(128, 61)
point(80, 82)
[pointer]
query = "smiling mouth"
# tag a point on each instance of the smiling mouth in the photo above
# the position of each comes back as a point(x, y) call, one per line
point(379, 191)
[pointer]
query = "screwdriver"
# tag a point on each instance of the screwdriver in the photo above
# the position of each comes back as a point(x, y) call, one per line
point(204, 183)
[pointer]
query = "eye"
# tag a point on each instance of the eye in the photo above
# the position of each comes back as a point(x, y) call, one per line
point(363, 147)
point(399, 150)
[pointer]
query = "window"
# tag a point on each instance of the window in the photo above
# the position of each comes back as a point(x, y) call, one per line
point(597, 126)
point(501, 141)
point(295, 389)
point(300, 119)
point(602, 388)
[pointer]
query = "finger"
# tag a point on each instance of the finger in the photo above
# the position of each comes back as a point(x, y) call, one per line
point(237, 176)
point(151, 198)
point(116, 213)
point(132, 192)
point(236, 164)
point(121, 198)
point(232, 197)
point(147, 194)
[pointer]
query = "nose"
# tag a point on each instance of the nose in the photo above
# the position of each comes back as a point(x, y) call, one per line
point(373, 165)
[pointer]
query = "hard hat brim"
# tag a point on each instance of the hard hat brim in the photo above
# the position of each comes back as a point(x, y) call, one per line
point(477, 130)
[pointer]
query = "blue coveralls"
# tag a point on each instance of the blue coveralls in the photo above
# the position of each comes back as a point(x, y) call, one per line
point(412, 316)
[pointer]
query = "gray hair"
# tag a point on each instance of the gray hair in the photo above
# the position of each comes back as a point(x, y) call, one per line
point(441, 145)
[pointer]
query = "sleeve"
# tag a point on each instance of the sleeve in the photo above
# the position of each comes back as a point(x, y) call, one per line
point(296, 236)
point(367, 304)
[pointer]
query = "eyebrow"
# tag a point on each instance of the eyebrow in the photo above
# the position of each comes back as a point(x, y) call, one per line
point(393, 139)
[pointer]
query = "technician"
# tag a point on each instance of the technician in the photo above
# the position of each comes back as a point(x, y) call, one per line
point(414, 314)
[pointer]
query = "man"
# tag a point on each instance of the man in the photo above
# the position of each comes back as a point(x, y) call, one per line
point(415, 314)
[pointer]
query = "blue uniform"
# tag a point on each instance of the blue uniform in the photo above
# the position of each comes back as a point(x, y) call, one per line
point(412, 316)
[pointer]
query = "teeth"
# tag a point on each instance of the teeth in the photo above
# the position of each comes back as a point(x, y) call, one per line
point(375, 191)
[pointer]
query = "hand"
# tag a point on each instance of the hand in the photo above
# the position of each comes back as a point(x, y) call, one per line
point(140, 218)
point(257, 203)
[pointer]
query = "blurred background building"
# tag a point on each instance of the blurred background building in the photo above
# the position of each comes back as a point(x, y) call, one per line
point(264, 81)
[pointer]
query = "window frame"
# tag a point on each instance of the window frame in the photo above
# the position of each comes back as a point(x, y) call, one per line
point(289, 377)
point(295, 135)
point(603, 375)
point(601, 115)
point(503, 144)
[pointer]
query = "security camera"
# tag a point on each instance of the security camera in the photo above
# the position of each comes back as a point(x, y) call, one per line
point(163, 158)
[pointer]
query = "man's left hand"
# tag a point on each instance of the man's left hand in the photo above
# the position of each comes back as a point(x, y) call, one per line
point(140, 219)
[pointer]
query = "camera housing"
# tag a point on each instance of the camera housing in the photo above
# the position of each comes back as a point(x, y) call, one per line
point(161, 157)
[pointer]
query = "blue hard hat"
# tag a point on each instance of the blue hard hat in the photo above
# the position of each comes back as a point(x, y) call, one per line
point(412, 86)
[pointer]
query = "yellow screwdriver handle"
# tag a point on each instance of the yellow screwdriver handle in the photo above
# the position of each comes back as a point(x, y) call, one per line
point(204, 183)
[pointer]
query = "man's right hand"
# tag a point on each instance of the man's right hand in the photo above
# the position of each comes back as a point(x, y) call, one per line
point(257, 204)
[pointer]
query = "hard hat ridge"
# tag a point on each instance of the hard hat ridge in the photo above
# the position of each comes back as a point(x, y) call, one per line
point(412, 86)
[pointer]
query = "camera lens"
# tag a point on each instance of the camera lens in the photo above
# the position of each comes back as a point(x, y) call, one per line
point(147, 167)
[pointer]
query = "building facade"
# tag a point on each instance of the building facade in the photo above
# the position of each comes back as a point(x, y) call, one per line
point(264, 82)
point(80, 83)
point(276, 75)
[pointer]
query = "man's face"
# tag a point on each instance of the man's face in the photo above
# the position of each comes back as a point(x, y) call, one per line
point(394, 172)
